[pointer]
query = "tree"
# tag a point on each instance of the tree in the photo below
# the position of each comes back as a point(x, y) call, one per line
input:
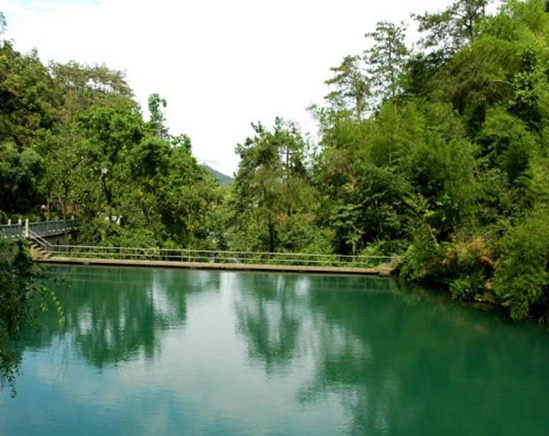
point(19, 171)
point(386, 59)
point(450, 29)
point(270, 185)
point(521, 280)
point(157, 120)
point(27, 113)
point(83, 87)
point(80, 88)
point(110, 135)
point(352, 87)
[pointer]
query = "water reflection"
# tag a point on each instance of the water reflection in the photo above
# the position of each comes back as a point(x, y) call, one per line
point(190, 352)
point(112, 317)
point(268, 314)
point(398, 359)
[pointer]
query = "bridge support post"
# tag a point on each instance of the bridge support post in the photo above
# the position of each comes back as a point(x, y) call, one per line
point(26, 229)
point(9, 222)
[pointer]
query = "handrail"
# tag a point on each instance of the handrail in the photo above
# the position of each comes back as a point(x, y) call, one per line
point(41, 228)
point(219, 257)
point(218, 260)
point(188, 250)
point(35, 236)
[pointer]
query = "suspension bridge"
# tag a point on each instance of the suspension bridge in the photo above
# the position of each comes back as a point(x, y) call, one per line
point(49, 244)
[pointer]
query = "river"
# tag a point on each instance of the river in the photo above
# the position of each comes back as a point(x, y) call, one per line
point(176, 352)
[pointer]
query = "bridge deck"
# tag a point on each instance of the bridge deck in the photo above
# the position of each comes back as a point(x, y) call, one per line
point(218, 266)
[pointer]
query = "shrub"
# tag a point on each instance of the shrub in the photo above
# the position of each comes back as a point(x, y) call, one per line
point(521, 281)
point(422, 260)
point(469, 264)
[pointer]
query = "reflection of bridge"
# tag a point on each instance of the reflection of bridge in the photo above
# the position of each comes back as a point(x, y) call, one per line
point(48, 247)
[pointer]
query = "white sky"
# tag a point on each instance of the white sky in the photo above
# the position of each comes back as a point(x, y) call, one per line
point(220, 64)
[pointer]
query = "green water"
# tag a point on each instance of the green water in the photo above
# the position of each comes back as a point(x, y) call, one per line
point(173, 352)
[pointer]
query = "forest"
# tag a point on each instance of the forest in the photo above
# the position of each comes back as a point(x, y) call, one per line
point(437, 151)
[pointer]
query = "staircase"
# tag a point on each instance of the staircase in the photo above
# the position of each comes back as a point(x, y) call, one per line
point(38, 252)
point(38, 246)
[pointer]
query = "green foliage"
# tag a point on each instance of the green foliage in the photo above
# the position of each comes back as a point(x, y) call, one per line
point(82, 87)
point(19, 172)
point(467, 141)
point(71, 135)
point(272, 190)
point(386, 59)
point(152, 182)
point(468, 266)
point(26, 112)
point(352, 87)
point(21, 297)
point(450, 29)
point(422, 260)
point(508, 143)
point(157, 121)
point(521, 281)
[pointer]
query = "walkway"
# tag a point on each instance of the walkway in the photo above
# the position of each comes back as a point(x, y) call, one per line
point(44, 251)
point(384, 270)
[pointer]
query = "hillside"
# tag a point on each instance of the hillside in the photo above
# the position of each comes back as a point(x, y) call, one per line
point(223, 179)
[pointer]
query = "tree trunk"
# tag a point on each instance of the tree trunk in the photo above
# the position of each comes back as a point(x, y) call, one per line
point(271, 236)
point(64, 215)
point(108, 193)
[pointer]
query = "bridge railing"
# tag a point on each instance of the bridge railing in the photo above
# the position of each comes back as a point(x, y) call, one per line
point(218, 256)
point(11, 230)
point(56, 227)
point(42, 228)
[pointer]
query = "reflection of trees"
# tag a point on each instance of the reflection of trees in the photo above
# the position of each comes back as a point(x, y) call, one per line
point(272, 312)
point(10, 360)
point(426, 359)
point(116, 314)
point(267, 318)
point(399, 359)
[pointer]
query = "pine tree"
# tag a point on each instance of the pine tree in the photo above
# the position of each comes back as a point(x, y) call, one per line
point(386, 59)
point(352, 87)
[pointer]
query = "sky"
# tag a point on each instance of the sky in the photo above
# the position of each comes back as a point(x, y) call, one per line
point(220, 64)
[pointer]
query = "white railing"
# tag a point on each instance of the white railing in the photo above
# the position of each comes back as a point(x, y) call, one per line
point(38, 231)
point(217, 256)
point(41, 228)
point(40, 241)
